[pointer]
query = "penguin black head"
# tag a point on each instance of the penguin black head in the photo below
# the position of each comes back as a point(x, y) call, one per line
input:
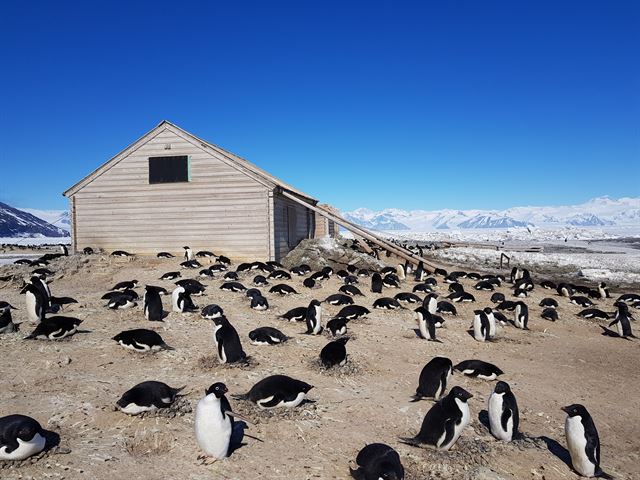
point(222, 320)
point(487, 310)
point(575, 410)
point(622, 307)
point(306, 387)
point(478, 312)
point(502, 387)
point(460, 393)
point(186, 247)
point(218, 389)
point(314, 303)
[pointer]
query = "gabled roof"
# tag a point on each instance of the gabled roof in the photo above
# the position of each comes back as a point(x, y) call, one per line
point(229, 158)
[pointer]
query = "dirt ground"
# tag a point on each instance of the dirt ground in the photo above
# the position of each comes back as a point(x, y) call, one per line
point(71, 386)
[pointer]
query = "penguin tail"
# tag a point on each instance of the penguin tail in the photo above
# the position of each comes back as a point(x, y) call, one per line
point(412, 441)
point(415, 398)
point(240, 396)
point(166, 347)
point(31, 336)
point(606, 476)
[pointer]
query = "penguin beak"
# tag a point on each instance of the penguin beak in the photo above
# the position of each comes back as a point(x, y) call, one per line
point(226, 390)
point(565, 409)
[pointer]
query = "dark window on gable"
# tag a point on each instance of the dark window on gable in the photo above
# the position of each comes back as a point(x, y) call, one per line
point(169, 169)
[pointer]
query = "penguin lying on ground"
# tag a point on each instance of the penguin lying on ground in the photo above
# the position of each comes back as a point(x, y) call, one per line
point(378, 461)
point(146, 397)
point(277, 391)
point(20, 437)
point(141, 340)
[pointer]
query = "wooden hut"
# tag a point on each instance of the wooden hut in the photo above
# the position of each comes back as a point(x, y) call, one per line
point(170, 188)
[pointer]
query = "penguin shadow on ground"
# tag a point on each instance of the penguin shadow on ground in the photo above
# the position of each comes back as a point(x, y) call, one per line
point(552, 445)
point(557, 450)
point(237, 435)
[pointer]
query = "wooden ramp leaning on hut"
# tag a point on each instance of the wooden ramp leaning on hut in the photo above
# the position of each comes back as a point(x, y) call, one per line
point(358, 230)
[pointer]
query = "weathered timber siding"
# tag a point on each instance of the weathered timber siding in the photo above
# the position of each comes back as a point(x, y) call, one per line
point(304, 225)
point(220, 209)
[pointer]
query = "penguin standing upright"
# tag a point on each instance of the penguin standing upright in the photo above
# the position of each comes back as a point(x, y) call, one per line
point(480, 326)
point(35, 303)
point(504, 416)
point(430, 302)
point(420, 273)
point(214, 423)
point(40, 282)
point(433, 379)
point(314, 318)
point(445, 421)
point(492, 321)
point(188, 254)
point(521, 316)
point(401, 271)
point(583, 441)
point(181, 300)
point(153, 303)
point(376, 283)
point(426, 324)
point(227, 341)
point(621, 322)
point(603, 290)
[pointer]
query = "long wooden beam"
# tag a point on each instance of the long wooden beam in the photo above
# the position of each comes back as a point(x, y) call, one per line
point(358, 230)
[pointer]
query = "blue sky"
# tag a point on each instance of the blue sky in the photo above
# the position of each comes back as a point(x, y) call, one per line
point(460, 104)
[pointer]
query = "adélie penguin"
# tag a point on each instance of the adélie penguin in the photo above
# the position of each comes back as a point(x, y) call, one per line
point(214, 423)
point(267, 336)
point(20, 437)
point(314, 318)
point(334, 353)
point(55, 328)
point(227, 341)
point(444, 422)
point(583, 441)
point(433, 379)
point(141, 340)
point(277, 391)
point(153, 303)
point(147, 397)
point(378, 461)
point(504, 417)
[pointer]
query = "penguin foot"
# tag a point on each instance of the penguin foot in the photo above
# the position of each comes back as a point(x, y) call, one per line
point(206, 460)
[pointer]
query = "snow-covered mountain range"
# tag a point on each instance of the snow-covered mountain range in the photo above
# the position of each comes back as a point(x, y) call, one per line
point(597, 212)
point(19, 223)
point(57, 218)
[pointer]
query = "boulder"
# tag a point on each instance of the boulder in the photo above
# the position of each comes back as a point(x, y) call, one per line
point(333, 252)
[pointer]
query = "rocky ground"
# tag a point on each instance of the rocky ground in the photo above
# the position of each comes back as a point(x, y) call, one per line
point(71, 386)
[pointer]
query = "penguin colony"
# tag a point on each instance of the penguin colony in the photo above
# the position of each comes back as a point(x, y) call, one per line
point(425, 297)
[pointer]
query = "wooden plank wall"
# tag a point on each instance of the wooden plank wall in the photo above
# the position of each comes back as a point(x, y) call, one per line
point(304, 224)
point(220, 209)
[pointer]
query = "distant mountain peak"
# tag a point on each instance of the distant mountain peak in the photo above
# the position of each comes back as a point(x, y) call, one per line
point(598, 212)
point(18, 223)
